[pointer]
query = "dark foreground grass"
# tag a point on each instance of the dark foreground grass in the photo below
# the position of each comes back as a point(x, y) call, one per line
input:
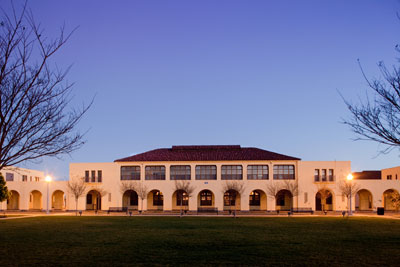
point(114, 241)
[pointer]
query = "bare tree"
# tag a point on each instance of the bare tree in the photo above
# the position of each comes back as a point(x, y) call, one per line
point(233, 187)
point(183, 187)
point(127, 186)
point(395, 199)
point(142, 190)
point(35, 115)
point(348, 188)
point(77, 188)
point(273, 189)
point(377, 118)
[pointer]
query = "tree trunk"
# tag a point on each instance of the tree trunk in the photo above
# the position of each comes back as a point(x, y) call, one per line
point(76, 206)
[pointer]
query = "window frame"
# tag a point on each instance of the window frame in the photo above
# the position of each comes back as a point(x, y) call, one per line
point(250, 172)
point(152, 175)
point(130, 175)
point(206, 172)
point(279, 172)
point(176, 174)
point(228, 172)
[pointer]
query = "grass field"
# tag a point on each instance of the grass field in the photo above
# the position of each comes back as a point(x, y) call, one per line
point(199, 241)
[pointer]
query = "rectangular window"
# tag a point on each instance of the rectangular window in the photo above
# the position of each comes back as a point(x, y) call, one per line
point(206, 172)
point(93, 176)
point(24, 178)
point(257, 172)
point(155, 173)
point(284, 172)
point(130, 172)
point(37, 179)
point(330, 175)
point(99, 176)
point(180, 172)
point(9, 177)
point(316, 175)
point(109, 197)
point(231, 172)
point(31, 178)
point(323, 175)
point(389, 177)
point(305, 197)
point(87, 176)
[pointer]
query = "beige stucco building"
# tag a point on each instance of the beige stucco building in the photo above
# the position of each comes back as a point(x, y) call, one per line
point(221, 178)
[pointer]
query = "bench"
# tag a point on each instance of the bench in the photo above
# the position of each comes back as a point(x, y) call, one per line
point(207, 210)
point(117, 209)
point(301, 210)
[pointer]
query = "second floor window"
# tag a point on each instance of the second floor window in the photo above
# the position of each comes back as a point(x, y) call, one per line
point(180, 172)
point(323, 175)
point(87, 176)
point(257, 172)
point(130, 172)
point(316, 175)
point(206, 172)
point(9, 177)
point(330, 175)
point(231, 172)
point(155, 173)
point(24, 178)
point(284, 172)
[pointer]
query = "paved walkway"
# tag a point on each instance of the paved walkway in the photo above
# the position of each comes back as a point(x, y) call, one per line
point(29, 214)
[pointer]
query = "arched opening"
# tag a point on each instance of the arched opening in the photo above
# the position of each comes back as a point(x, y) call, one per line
point(13, 201)
point(180, 200)
point(205, 199)
point(364, 200)
point(57, 200)
point(231, 200)
point(155, 200)
point(258, 200)
point(387, 199)
point(284, 200)
point(35, 200)
point(324, 200)
point(93, 200)
point(130, 200)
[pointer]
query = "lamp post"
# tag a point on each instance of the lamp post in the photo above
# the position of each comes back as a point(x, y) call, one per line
point(350, 179)
point(48, 180)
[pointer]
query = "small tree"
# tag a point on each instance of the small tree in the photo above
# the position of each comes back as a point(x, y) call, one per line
point(126, 186)
point(142, 190)
point(348, 188)
point(184, 186)
point(77, 188)
point(275, 187)
point(4, 193)
point(233, 186)
point(395, 199)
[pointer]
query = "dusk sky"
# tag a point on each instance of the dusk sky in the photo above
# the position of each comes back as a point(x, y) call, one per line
point(263, 74)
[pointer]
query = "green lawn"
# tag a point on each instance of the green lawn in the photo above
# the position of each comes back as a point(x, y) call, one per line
point(199, 240)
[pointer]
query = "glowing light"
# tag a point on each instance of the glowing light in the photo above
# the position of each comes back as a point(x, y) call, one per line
point(350, 177)
point(47, 178)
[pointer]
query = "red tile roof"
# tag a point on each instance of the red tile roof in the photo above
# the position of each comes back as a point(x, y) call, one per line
point(367, 175)
point(207, 153)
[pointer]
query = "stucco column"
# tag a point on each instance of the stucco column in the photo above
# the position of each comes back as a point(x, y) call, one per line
point(271, 203)
point(244, 201)
point(219, 200)
point(168, 201)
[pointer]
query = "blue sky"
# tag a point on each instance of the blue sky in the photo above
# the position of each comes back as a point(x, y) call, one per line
point(255, 73)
